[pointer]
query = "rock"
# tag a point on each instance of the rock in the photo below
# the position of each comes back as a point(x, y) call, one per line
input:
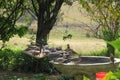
point(59, 48)
point(35, 53)
point(46, 47)
point(52, 49)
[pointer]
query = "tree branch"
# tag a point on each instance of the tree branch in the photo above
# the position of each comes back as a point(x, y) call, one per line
point(34, 7)
point(55, 12)
point(104, 18)
point(18, 4)
point(31, 13)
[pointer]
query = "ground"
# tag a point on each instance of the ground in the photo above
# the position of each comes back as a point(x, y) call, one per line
point(5, 75)
point(84, 45)
point(81, 45)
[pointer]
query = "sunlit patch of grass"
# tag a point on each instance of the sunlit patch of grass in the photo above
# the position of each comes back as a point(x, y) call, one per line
point(76, 32)
point(72, 14)
point(16, 43)
point(79, 42)
point(99, 53)
point(79, 45)
point(117, 54)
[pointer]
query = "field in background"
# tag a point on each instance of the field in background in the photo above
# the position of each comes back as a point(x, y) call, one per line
point(79, 42)
point(72, 24)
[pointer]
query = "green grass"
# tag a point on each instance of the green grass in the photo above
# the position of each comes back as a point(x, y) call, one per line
point(17, 43)
point(98, 53)
point(26, 76)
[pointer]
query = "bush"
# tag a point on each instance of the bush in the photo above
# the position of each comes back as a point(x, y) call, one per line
point(39, 77)
point(100, 53)
point(18, 61)
point(34, 77)
point(112, 76)
point(65, 77)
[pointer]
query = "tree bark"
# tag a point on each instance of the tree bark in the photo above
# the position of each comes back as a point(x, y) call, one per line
point(46, 23)
point(41, 37)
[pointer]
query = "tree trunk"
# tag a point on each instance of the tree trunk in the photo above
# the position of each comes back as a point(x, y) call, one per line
point(45, 21)
point(110, 50)
point(42, 34)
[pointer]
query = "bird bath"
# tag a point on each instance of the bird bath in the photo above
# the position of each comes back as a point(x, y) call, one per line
point(84, 65)
point(77, 66)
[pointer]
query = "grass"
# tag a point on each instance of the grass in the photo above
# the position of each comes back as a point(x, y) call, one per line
point(30, 76)
point(73, 14)
point(59, 32)
point(17, 43)
point(79, 42)
point(72, 19)
point(24, 76)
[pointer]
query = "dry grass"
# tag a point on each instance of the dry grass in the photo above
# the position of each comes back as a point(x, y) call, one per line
point(83, 45)
point(74, 14)
point(80, 45)
point(79, 42)
point(17, 43)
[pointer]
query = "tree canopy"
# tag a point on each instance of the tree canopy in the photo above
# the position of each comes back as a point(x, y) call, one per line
point(45, 11)
point(10, 12)
point(107, 14)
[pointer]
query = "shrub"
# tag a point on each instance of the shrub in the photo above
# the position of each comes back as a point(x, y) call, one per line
point(65, 77)
point(112, 76)
point(100, 53)
point(34, 77)
point(39, 77)
point(18, 61)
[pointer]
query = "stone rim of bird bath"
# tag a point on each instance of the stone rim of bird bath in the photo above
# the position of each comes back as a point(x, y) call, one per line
point(116, 60)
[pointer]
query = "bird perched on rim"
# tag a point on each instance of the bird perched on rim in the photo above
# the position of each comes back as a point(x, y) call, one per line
point(112, 58)
point(69, 50)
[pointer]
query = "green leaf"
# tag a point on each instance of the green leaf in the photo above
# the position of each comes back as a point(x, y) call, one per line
point(115, 44)
point(22, 30)
point(109, 76)
point(117, 74)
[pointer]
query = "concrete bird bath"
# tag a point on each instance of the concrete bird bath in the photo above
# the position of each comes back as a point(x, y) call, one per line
point(77, 66)
point(84, 65)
